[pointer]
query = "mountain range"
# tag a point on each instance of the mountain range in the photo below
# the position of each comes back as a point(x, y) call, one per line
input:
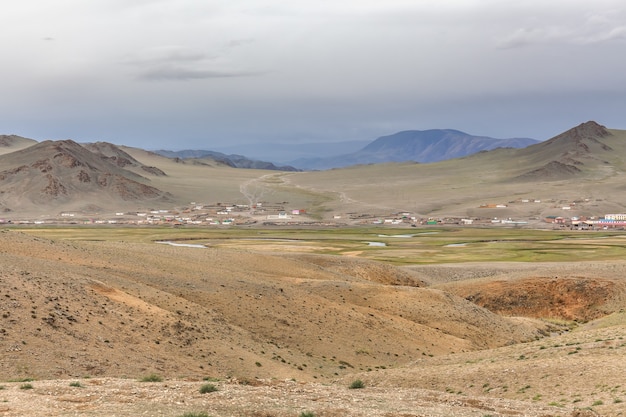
point(583, 164)
point(232, 160)
point(412, 145)
point(415, 145)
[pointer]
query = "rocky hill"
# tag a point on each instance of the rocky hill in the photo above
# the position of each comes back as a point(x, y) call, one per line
point(567, 154)
point(64, 174)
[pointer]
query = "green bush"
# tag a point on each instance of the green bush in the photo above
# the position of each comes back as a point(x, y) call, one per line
point(357, 384)
point(206, 388)
point(192, 414)
point(26, 386)
point(76, 384)
point(152, 378)
point(307, 414)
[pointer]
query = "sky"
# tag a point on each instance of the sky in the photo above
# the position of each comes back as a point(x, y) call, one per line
point(204, 74)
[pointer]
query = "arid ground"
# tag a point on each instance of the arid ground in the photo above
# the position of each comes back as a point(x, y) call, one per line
point(280, 330)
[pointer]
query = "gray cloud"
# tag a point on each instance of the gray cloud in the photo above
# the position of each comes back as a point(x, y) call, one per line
point(572, 28)
point(167, 54)
point(178, 73)
point(177, 63)
point(328, 70)
point(234, 43)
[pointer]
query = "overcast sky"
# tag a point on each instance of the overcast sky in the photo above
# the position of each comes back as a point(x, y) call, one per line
point(203, 74)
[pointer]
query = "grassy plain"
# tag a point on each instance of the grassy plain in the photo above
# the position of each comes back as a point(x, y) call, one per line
point(398, 246)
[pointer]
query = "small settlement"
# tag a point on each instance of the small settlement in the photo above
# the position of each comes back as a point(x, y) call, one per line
point(278, 214)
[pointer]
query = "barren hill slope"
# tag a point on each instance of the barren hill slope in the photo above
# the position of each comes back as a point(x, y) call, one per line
point(11, 143)
point(122, 309)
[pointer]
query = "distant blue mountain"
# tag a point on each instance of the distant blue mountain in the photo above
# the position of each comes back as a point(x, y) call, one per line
point(415, 145)
point(235, 161)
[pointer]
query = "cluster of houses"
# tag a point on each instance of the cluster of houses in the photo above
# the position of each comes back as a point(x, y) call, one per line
point(265, 213)
point(609, 221)
point(194, 214)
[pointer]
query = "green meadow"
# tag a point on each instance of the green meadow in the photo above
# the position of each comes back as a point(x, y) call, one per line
point(400, 246)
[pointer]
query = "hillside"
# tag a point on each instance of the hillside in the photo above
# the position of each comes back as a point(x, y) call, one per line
point(10, 143)
point(65, 175)
point(143, 308)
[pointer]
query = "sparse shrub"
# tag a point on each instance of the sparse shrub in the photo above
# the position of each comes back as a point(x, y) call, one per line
point(76, 384)
point(198, 414)
point(206, 388)
point(152, 378)
point(26, 386)
point(22, 380)
point(258, 364)
point(598, 402)
point(357, 384)
point(307, 414)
